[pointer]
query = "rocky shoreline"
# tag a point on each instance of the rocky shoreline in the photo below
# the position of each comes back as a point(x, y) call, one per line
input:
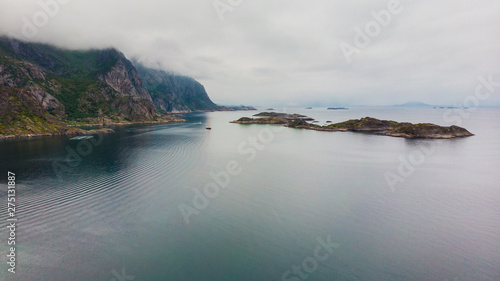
point(171, 119)
point(366, 125)
point(74, 130)
point(70, 132)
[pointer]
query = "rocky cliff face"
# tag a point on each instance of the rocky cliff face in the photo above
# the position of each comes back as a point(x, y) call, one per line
point(87, 86)
point(91, 85)
point(25, 75)
point(79, 84)
point(121, 75)
point(22, 113)
point(174, 93)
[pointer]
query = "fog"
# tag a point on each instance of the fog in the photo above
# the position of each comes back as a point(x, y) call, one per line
point(289, 52)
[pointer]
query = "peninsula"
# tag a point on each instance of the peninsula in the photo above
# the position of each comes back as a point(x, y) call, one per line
point(365, 125)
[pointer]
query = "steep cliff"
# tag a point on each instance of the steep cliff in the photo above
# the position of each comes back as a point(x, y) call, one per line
point(174, 93)
point(87, 86)
point(77, 84)
point(22, 113)
point(119, 73)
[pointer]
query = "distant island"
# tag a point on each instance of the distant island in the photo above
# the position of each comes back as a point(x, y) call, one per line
point(366, 125)
point(239, 108)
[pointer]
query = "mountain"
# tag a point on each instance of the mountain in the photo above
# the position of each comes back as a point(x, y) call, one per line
point(22, 113)
point(174, 93)
point(53, 87)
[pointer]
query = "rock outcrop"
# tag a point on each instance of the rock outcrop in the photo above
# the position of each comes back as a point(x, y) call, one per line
point(119, 73)
point(21, 113)
point(76, 85)
point(367, 125)
point(175, 93)
point(429, 131)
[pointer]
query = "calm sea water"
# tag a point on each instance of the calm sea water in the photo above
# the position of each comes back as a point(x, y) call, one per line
point(116, 213)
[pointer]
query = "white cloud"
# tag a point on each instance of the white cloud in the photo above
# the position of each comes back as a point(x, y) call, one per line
point(287, 51)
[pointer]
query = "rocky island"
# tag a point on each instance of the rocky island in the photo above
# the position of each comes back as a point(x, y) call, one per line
point(366, 125)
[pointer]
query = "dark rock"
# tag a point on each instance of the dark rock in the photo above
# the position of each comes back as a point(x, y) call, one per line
point(238, 108)
point(175, 93)
point(281, 115)
point(428, 131)
point(265, 120)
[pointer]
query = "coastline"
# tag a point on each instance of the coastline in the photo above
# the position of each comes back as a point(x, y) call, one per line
point(70, 133)
point(74, 130)
point(179, 120)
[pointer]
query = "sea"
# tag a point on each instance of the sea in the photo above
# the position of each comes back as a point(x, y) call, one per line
point(177, 202)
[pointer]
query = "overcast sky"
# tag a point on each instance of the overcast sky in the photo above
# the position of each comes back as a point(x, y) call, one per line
point(287, 52)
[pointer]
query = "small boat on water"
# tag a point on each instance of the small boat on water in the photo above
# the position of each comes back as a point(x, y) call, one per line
point(208, 126)
point(81, 138)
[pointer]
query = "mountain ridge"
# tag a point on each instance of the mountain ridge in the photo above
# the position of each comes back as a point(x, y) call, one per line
point(175, 93)
point(87, 86)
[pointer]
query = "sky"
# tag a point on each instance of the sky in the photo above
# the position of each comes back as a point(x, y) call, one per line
point(289, 52)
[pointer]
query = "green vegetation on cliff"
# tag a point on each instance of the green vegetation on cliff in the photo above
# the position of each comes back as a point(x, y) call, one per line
point(85, 87)
point(366, 124)
point(80, 84)
point(21, 114)
point(175, 93)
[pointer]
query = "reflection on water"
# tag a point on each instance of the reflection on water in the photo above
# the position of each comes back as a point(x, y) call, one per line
point(118, 206)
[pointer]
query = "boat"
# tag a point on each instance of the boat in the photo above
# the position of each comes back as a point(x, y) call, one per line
point(208, 126)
